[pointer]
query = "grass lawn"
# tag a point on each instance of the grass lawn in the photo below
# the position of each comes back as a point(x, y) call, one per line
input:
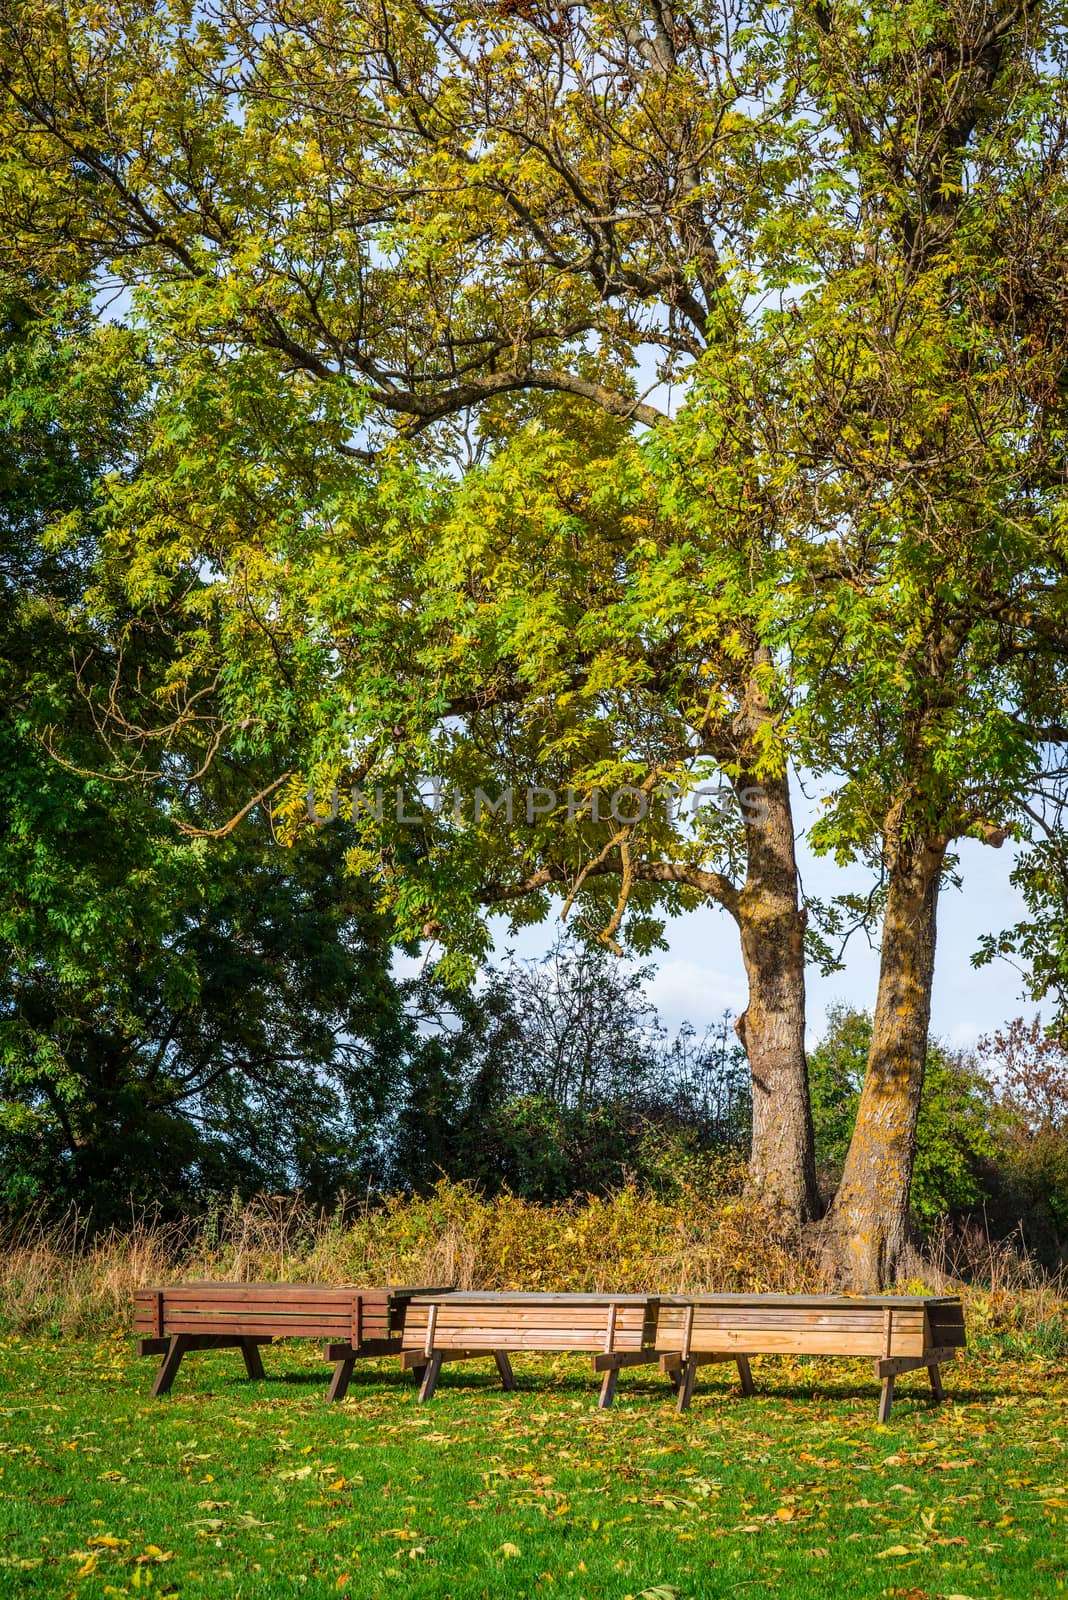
point(229, 1488)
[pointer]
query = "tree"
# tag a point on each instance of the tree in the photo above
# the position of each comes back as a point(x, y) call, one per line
point(934, 424)
point(555, 1079)
point(312, 249)
point(956, 1127)
point(173, 1020)
point(1027, 1066)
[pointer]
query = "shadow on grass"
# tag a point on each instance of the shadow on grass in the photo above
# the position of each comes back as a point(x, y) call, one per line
point(911, 1396)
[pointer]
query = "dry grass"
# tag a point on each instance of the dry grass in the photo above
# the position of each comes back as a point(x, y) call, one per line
point(58, 1278)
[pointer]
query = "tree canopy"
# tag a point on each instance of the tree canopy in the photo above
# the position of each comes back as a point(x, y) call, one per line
point(588, 398)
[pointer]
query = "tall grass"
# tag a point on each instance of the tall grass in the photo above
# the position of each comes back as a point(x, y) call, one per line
point(60, 1277)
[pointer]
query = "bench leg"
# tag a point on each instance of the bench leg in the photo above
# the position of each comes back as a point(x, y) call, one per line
point(745, 1376)
point(504, 1367)
point(431, 1373)
point(936, 1383)
point(608, 1388)
point(253, 1360)
point(688, 1379)
point(168, 1367)
point(339, 1382)
point(886, 1398)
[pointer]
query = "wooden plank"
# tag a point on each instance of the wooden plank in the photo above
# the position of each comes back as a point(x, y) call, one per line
point(504, 1367)
point(893, 1366)
point(153, 1347)
point(168, 1367)
point(671, 1331)
point(197, 1341)
point(604, 1362)
point(253, 1363)
point(536, 1316)
point(803, 1301)
point(688, 1379)
point(791, 1342)
point(430, 1379)
point(674, 1363)
point(293, 1309)
point(341, 1349)
point(293, 1312)
point(505, 1338)
point(270, 1295)
point(340, 1378)
point(790, 1316)
point(886, 1398)
point(266, 1327)
point(608, 1389)
point(531, 1297)
point(415, 1360)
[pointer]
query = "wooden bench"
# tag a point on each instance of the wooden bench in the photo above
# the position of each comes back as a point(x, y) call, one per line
point(351, 1322)
point(618, 1329)
point(901, 1332)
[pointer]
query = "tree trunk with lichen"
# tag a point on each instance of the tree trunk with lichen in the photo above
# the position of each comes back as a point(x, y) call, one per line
point(772, 1028)
point(867, 1227)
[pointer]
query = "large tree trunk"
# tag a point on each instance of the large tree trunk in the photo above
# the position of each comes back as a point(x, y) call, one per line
point(772, 1029)
point(867, 1227)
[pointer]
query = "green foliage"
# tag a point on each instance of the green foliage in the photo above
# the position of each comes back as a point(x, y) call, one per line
point(957, 1134)
point(836, 1072)
point(955, 1137)
point(176, 1016)
point(395, 287)
point(554, 1079)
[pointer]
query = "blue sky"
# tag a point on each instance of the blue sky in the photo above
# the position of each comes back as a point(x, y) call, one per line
point(700, 975)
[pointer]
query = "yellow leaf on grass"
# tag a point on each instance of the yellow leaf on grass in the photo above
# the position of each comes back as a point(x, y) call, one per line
point(510, 1550)
point(895, 1550)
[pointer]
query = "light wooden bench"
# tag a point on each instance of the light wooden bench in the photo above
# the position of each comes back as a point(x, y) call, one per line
point(351, 1322)
point(619, 1330)
point(901, 1332)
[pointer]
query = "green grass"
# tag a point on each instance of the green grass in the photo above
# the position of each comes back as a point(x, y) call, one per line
point(229, 1488)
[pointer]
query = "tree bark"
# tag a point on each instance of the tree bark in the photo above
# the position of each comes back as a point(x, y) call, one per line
point(867, 1227)
point(772, 1028)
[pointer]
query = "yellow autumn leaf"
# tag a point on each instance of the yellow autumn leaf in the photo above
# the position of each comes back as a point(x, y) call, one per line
point(510, 1550)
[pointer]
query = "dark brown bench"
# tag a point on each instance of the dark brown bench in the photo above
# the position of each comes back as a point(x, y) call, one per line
point(351, 1322)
